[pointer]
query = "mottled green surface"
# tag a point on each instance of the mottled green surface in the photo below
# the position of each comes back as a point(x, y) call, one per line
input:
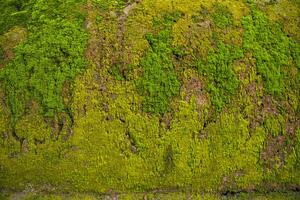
point(104, 97)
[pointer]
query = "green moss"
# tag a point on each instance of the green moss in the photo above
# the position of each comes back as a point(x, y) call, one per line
point(222, 81)
point(12, 13)
point(159, 82)
point(272, 49)
point(51, 55)
point(222, 16)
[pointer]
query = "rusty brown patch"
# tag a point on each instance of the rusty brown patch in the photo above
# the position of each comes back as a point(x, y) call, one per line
point(205, 24)
point(10, 40)
point(278, 148)
point(61, 126)
point(194, 87)
point(203, 134)
point(269, 105)
point(24, 146)
point(292, 126)
point(166, 120)
point(253, 90)
point(274, 153)
point(246, 65)
point(93, 50)
point(229, 181)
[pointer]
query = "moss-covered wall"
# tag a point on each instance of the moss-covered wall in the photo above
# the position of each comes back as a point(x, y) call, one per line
point(123, 96)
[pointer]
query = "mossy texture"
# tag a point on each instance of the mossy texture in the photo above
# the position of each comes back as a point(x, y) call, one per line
point(150, 99)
